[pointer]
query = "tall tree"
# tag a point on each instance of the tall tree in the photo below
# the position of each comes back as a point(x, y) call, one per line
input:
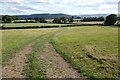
point(111, 19)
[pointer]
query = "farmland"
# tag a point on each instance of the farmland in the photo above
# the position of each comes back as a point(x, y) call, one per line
point(46, 25)
point(30, 24)
point(13, 40)
point(91, 51)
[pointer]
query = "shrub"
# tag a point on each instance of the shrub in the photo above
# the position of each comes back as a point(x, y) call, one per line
point(110, 19)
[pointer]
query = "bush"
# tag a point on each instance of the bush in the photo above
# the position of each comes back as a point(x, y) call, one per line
point(110, 20)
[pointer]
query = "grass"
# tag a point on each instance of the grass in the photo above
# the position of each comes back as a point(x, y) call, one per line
point(93, 51)
point(14, 40)
point(30, 24)
point(34, 70)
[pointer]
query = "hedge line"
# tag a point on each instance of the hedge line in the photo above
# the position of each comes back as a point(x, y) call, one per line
point(33, 27)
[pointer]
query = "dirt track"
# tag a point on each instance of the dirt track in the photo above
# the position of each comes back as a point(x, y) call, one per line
point(54, 65)
point(14, 67)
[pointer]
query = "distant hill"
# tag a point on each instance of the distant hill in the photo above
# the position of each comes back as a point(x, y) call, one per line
point(48, 16)
point(94, 15)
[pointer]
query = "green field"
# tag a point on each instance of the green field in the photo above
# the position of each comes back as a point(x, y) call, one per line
point(30, 24)
point(92, 51)
point(13, 40)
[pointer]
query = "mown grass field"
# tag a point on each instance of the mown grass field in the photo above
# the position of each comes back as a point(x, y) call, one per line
point(93, 51)
point(30, 24)
point(13, 40)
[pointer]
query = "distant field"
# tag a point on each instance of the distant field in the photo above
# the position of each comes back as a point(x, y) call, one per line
point(93, 51)
point(46, 24)
point(31, 24)
point(92, 22)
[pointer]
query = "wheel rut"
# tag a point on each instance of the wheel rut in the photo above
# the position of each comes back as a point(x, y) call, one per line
point(54, 65)
point(15, 66)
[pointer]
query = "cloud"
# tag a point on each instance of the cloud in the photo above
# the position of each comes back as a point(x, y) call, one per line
point(107, 6)
point(16, 1)
point(58, 6)
point(41, 1)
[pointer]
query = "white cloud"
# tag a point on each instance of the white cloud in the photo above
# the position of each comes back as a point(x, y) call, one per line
point(40, 0)
point(60, 6)
point(62, 1)
point(17, 1)
point(107, 6)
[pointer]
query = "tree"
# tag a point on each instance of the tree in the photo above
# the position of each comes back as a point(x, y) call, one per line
point(93, 19)
point(41, 20)
point(119, 18)
point(15, 17)
point(9, 19)
point(110, 19)
point(71, 20)
point(60, 20)
point(63, 20)
point(78, 17)
point(56, 20)
point(6, 19)
point(101, 19)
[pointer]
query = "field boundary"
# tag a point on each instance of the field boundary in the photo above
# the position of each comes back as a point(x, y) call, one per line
point(34, 27)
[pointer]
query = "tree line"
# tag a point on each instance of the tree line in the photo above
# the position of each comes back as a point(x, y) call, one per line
point(109, 20)
point(16, 19)
point(85, 19)
point(9, 19)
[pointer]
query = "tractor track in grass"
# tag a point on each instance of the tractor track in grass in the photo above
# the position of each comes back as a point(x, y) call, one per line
point(15, 66)
point(54, 65)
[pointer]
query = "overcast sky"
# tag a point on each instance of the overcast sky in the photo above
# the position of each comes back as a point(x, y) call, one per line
point(73, 7)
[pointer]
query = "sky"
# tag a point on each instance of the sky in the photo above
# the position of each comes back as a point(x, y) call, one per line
point(72, 7)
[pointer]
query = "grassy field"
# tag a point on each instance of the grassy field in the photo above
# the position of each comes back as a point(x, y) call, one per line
point(93, 51)
point(30, 24)
point(35, 68)
point(13, 40)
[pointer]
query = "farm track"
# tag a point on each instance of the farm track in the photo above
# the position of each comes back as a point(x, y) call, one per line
point(14, 67)
point(54, 65)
